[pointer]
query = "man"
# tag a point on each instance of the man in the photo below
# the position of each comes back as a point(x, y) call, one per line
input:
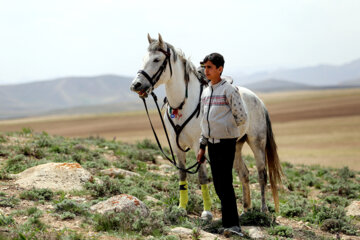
point(222, 113)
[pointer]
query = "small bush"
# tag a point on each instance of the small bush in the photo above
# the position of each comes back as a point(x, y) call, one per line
point(2, 138)
point(34, 211)
point(346, 173)
point(174, 215)
point(9, 202)
point(255, 217)
point(108, 187)
point(282, 231)
point(72, 207)
point(146, 144)
point(6, 220)
point(122, 222)
point(67, 215)
point(37, 194)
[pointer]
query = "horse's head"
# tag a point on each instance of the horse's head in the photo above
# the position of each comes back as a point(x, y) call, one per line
point(156, 67)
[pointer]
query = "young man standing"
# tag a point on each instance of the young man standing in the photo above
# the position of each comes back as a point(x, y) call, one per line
point(223, 112)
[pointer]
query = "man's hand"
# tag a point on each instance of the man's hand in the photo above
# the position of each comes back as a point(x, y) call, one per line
point(201, 156)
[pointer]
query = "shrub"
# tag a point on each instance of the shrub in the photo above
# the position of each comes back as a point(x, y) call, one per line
point(135, 222)
point(37, 194)
point(108, 187)
point(72, 207)
point(6, 220)
point(2, 138)
point(283, 231)
point(174, 215)
point(9, 201)
point(34, 211)
point(146, 144)
point(346, 173)
point(255, 217)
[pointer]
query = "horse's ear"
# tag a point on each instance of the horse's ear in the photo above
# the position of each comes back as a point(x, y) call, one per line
point(161, 42)
point(150, 39)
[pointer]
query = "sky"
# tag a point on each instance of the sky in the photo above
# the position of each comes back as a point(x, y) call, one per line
point(48, 39)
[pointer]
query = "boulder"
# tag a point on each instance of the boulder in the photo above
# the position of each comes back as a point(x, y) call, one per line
point(54, 176)
point(187, 233)
point(121, 203)
point(114, 172)
point(353, 209)
point(256, 233)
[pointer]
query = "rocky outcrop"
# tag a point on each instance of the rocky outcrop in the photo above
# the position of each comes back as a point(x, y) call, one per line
point(54, 176)
point(115, 172)
point(121, 203)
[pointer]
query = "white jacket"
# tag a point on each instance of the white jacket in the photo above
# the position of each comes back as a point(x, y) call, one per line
point(222, 112)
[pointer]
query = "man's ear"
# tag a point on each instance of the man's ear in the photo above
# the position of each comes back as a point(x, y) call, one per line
point(221, 68)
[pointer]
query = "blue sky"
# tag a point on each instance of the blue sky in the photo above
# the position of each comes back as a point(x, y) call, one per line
point(46, 39)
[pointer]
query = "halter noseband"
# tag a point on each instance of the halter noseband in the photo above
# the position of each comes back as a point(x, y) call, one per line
point(155, 78)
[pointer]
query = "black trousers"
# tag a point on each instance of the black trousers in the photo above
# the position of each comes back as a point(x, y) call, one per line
point(221, 161)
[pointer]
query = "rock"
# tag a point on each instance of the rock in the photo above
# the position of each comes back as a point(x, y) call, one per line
point(256, 233)
point(151, 199)
point(54, 176)
point(114, 172)
point(165, 167)
point(121, 203)
point(185, 232)
point(160, 160)
point(353, 209)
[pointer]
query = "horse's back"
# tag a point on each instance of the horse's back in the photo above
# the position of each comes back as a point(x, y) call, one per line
point(255, 109)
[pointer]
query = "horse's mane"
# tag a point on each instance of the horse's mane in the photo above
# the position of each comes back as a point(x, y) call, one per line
point(189, 67)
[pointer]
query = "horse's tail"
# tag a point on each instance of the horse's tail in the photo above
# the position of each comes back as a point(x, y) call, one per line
point(272, 160)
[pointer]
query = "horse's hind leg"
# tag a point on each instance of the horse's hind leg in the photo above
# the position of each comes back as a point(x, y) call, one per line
point(243, 173)
point(257, 145)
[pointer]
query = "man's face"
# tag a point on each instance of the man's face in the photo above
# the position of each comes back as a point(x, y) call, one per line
point(211, 72)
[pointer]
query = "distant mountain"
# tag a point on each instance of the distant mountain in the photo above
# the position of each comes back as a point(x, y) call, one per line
point(38, 97)
point(352, 83)
point(111, 93)
point(274, 85)
point(321, 75)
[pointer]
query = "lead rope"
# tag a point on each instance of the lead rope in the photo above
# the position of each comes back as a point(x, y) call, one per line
point(173, 160)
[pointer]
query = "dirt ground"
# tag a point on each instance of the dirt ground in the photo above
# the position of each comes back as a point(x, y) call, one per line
point(310, 127)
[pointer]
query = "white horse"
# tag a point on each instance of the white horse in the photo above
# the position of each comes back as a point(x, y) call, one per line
point(164, 65)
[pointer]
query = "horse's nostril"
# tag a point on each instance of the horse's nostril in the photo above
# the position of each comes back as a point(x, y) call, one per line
point(137, 85)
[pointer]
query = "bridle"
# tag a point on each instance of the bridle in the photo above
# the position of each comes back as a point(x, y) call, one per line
point(155, 78)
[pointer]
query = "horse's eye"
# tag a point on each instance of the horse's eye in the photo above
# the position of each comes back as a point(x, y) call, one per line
point(156, 60)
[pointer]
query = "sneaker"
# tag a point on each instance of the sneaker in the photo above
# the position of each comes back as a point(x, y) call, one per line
point(234, 230)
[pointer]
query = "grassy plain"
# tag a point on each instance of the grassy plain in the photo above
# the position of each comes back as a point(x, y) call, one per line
point(311, 127)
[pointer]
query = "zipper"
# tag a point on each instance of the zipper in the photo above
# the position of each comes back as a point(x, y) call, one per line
point(207, 117)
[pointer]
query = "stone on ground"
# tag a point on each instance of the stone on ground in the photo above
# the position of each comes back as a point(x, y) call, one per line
point(54, 176)
point(121, 203)
point(114, 172)
point(353, 209)
point(185, 233)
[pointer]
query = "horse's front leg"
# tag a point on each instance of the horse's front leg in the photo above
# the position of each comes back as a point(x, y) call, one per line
point(183, 185)
point(204, 181)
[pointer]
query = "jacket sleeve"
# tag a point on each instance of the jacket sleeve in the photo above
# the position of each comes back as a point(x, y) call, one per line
point(237, 106)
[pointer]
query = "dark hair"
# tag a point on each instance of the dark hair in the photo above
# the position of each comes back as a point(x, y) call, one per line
point(216, 58)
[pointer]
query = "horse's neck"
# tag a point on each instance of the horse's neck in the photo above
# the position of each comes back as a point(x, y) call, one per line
point(176, 90)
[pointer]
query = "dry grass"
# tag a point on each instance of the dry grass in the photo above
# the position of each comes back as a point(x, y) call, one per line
point(311, 127)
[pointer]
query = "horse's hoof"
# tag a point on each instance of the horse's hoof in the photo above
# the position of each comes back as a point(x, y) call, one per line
point(206, 215)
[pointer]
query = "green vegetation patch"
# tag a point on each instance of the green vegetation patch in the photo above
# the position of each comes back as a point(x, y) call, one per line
point(37, 194)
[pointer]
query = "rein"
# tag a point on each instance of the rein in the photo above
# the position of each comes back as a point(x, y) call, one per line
point(173, 160)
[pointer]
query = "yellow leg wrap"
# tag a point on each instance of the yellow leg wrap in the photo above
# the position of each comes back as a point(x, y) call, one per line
point(206, 197)
point(184, 198)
